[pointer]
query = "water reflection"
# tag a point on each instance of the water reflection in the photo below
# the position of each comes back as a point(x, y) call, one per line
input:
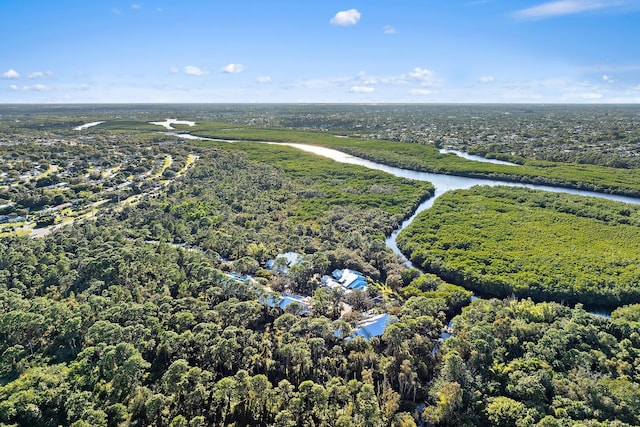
point(477, 158)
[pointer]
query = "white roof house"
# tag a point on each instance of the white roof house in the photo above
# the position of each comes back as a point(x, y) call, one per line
point(346, 279)
point(373, 326)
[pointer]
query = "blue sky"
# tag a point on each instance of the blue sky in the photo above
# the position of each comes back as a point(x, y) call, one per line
point(568, 51)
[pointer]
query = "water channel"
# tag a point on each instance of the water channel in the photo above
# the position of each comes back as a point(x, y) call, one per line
point(477, 158)
point(442, 184)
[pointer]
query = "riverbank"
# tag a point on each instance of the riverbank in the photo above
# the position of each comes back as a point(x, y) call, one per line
point(427, 158)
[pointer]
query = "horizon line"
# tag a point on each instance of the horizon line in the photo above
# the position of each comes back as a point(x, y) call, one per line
point(320, 103)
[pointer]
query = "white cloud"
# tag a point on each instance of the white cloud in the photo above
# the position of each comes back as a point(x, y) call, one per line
point(362, 89)
point(11, 74)
point(174, 70)
point(194, 71)
point(423, 76)
point(82, 87)
point(116, 11)
point(346, 17)
point(136, 6)
point(366, 80)
point(420, 92)
point(563, 7)
point(607, 79)
point(550, 89)
point(14, 87)
point(264, 79)
point(420, 73)
point(233, 68)
point(40, 74)
point(36, 87)
point(388, 29)
point(487, 79)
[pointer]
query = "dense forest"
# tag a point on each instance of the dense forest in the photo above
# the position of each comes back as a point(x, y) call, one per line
point(110, 321)
point(101, 329)
point(517, 363)
point(501, 241)
point(130, 305)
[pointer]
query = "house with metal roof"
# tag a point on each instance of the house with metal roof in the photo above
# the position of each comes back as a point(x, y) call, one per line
point(347, 279)
point(283, 300)
point(373, 326)
point(289, 259)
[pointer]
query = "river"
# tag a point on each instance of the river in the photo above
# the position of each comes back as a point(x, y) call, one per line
point(476, 158)
point(442, 184)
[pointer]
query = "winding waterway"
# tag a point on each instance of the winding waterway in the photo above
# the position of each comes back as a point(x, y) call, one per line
point(477, 158)
point(442, 184)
